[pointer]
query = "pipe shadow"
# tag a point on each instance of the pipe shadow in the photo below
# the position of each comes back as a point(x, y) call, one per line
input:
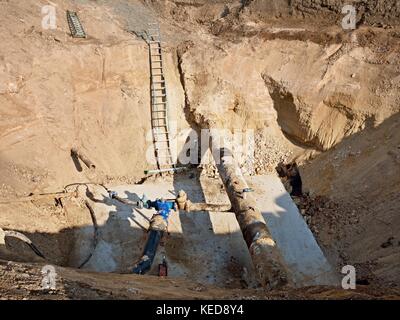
point(76, 162)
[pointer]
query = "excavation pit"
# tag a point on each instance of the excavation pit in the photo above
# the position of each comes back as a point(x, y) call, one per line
point(205, 247)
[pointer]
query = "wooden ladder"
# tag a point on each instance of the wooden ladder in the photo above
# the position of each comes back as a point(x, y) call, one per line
point(159, 103)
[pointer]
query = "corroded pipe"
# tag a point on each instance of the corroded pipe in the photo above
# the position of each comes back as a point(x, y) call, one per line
point(185, 204)
point(95, 234)
point(270, 270)
point(79, 154)
point(20, 236)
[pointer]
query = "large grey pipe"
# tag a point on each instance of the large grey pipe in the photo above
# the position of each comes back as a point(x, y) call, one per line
point(267, 260)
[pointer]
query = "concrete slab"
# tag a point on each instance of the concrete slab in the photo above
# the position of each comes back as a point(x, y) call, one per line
point(300, 250)
point(207, 247)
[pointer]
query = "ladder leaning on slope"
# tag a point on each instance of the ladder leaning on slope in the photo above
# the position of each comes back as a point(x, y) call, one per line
point(159, 103)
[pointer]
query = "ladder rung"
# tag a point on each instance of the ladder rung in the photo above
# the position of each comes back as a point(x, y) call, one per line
point(160, 133)
point(166, 153)
point(160, 141)
point(161, 102)
point(158, 89)
point(157, 68)
point(165, 142)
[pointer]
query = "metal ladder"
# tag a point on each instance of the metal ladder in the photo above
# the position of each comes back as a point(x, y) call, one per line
point(159, 103)
point(75, 25)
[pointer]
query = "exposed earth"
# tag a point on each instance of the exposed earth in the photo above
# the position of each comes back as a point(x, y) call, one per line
point(286, 75)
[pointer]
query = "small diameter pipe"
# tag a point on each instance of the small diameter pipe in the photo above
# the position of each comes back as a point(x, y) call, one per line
point(164, 170)
point(157, 228)
point(79, 154)
point(57, 195)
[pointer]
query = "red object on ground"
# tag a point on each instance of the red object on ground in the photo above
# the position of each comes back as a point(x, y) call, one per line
point(163, 269)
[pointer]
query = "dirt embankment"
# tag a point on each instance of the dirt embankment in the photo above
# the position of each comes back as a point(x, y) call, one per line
point(57, 93)
point(368, 12)
point(24, 281)
point(356, 211)
point(304, 88)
